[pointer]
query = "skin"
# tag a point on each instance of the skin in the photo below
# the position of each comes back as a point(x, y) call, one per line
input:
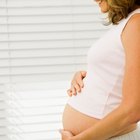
point(77, 83)
point(103, 5)
point(128, 112)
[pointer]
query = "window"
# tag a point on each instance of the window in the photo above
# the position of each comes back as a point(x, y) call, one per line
point(42, 43)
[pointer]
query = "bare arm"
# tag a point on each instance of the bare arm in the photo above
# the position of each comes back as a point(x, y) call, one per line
point(129, 110)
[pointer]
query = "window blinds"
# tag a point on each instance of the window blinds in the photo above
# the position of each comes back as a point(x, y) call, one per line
point(42, 43)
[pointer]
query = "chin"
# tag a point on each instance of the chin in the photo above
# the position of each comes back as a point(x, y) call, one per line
point(104, 10)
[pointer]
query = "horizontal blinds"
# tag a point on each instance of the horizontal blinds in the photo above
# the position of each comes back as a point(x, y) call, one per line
point(33, 111)
point(42, 43)
point(46, 39)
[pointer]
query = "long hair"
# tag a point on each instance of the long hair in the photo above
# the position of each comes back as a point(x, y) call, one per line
point(120, 9)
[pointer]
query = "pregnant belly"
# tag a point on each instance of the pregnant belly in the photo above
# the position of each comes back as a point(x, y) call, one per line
point(76, 121)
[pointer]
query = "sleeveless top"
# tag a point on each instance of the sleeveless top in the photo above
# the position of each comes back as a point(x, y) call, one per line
point(102, 91)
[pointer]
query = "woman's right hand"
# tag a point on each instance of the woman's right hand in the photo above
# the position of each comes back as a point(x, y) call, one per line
point(77, 83)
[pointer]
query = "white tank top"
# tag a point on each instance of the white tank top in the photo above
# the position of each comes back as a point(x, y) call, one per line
point(102, 90)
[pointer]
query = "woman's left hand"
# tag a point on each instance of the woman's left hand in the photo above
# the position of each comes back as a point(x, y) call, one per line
point(66, 135)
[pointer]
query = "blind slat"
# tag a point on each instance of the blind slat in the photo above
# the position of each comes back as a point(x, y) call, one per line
point(30, 3)
point(43, 61)
point(41, 42)
point(53, 19)
point(31, 28)
point(77, 43)
point(48, 10)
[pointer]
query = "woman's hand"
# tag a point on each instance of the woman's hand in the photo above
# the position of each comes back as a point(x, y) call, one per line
point(77, 83)
point(66, 135)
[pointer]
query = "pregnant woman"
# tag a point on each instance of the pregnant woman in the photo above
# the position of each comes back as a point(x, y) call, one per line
point(105, 99)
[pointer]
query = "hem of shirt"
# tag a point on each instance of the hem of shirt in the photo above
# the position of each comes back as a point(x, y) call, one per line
point(84, 111)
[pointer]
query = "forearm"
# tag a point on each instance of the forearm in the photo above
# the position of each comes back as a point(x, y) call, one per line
point(108, 126)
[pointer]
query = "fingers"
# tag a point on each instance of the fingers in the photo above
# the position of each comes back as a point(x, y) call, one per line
point(77, 83)
point(77, 88)
point(81, 77)
point(74, 89)
point(71, 91)
point(83, 73)
point(81, 84)
point(65, 135)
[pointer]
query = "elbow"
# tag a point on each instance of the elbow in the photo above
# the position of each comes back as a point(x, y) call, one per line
point(134, 116)
point(132, 113)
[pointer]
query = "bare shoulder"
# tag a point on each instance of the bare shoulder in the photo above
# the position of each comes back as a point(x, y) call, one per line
point(133, 23)
point(135, 18)
point(131, 33)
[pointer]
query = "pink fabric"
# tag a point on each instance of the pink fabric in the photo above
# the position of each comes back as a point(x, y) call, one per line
point(102, 92)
